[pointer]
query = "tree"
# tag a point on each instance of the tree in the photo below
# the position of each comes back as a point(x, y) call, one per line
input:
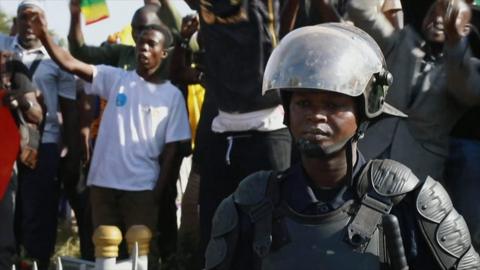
point(5, 23)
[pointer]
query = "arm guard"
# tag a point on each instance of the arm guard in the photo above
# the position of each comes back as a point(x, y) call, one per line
point(445, 230)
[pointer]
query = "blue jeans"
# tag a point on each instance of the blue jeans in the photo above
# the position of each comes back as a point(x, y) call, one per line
point(462, 176)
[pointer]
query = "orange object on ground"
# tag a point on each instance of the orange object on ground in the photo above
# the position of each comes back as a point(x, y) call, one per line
point(9, 145)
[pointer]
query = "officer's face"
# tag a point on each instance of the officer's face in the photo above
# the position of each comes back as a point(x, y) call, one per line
point(323, 118)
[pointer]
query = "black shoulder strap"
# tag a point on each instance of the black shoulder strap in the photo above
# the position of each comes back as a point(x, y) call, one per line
point(262, 218)
point(35, 63)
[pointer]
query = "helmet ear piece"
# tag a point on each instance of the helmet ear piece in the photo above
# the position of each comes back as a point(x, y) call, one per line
point(376, 92)
point(384, 78)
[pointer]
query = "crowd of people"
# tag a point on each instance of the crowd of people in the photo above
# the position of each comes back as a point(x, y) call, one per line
point(333, 134)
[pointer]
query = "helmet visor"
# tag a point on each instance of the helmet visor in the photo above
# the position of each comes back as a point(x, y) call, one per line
point(323, 58)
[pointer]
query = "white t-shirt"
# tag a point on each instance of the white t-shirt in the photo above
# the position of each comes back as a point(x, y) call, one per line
point(139, 119)
point(269, 119)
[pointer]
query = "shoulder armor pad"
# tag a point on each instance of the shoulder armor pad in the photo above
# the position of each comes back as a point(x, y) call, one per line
point(224, 221)
point(433, 202)
point(470, 261)
point(452, 234)
point(225, 218)
point(445, 230)
point(252, 189)
point(216, 252)
point(388, 178)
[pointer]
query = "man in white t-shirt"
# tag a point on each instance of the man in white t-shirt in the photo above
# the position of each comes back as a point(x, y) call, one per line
point(136, 152)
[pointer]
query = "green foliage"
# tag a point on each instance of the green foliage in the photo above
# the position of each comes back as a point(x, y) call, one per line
point(5, 23)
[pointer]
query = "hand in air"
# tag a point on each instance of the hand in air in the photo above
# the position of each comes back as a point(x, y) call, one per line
point(75, 7)
point(37, 21)
point(457, 20)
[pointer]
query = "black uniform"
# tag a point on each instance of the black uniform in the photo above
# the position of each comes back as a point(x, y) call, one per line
point(310, 228)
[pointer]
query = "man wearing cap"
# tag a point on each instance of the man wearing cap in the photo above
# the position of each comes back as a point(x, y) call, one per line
point(37, 198)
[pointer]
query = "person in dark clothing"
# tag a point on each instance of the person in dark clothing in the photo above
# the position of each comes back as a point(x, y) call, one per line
point(461, 168)
point(334, 209)
point(435, 83)
point(244, 132)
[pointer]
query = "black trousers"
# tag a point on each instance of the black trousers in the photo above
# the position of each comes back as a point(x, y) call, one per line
point(230, 158)
point(37, 205)
point(7, 238)
point(167, 224)
point(73, 177)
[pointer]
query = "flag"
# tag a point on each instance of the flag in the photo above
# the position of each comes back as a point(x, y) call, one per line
point(94, 10)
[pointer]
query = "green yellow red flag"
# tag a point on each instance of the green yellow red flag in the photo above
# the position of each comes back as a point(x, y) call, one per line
point(94, 10)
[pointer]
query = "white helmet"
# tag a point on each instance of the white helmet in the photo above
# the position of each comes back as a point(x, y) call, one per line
point(335, 57)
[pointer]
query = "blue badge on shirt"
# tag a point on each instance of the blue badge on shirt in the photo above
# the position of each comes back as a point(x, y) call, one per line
point(121, 99)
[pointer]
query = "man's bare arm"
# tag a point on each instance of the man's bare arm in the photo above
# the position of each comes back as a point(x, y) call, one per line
point(170, 161)
point(34, 113)
point(75, 34)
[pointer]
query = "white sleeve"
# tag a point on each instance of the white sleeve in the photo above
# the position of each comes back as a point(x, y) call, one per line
point(178, 126)
point(104, 80)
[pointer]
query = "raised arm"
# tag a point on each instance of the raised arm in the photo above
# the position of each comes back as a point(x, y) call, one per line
point(63, 58)
point(463, 70)
point(75, 34)
point(108, 55)
point(181, 70)
point(367, 15)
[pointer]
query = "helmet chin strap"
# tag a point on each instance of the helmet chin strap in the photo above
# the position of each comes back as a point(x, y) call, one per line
point(349, 150)
point(349, 157)
point(313, 150)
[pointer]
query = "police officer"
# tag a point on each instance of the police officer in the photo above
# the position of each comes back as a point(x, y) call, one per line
point(334, 209)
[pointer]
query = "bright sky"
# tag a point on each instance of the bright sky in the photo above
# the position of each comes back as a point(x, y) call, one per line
point(58, 16)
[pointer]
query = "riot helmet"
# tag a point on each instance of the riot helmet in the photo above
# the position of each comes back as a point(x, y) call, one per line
point(334, 57)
